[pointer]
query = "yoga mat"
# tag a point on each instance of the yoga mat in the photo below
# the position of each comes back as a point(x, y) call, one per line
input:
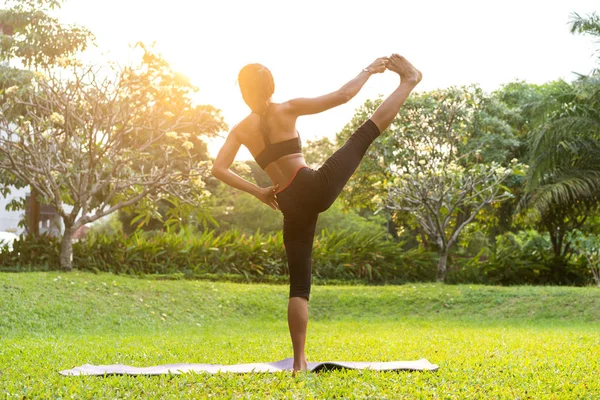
point(119, 369)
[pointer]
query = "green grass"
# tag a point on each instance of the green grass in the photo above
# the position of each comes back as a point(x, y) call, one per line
point(490, 342)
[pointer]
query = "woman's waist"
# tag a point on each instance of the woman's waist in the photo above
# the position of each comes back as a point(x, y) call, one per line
point(283, 172)
point(287, 182)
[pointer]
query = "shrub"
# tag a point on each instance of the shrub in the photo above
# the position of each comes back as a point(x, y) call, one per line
point(30, 252)
point(371, 257)
point(525, 257)
point(338, 255)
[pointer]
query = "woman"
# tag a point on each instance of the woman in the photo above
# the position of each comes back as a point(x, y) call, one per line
point(300, 192)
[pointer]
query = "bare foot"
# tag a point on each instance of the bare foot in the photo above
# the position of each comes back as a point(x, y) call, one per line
point(299, 368)
point(408, 73)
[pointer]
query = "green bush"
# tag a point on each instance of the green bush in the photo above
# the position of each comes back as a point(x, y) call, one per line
point(518, 258)
point(339, 255)
point(30, 252)
point(370, 257)
point(342, 255)
point(521, 258)
point(183, 252)
point(587, 252)
point(525, 257)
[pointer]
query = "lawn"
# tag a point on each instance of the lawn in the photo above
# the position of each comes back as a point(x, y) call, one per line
point(490, 342)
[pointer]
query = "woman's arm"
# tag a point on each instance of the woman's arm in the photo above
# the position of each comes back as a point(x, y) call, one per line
point(221, 171)
point(315, 105)
point(220, 168)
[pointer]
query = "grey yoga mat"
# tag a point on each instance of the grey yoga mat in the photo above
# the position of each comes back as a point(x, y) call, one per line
point(119, 369)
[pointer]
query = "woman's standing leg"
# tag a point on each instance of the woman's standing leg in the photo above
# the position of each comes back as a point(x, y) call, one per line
point(336, 171)
point(298, 236)
point(298, 323)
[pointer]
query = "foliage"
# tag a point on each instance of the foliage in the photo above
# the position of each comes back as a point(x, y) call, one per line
point(32, 253)
point(103, 143)
point(565, 149)
point(107, 226)
point(563, 183)
point(588, 25)
point(337, 218)
point(233, 209)
point(588, 247)
point(33, 39)
point(244, 213)
point(440, 176)
point(517, 258)
point(524, 110)
point(316, 152)
point(36, 38)
point(342, 255)
point(365, 255)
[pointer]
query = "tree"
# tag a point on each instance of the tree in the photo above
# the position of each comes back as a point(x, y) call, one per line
point(563, 184)
point(102, 140)
point(36, 41)
point(316, 152)
point(438, 164)
point(589, 25)
point(445, 197)
point(445, 170)
point(565, 150)
point(524, 112)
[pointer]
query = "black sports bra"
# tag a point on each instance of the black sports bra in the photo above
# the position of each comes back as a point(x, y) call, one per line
point(274, 151)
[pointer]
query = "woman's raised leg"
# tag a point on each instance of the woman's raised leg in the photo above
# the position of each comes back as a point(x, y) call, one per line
point(338, 168)
point(409, 78)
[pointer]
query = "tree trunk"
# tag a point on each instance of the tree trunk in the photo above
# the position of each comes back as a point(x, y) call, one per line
point(33, 213)
point(392, 228)
point(442, 266)
point(66, 249)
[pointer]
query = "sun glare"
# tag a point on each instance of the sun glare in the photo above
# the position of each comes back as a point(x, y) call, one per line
point(314, 47)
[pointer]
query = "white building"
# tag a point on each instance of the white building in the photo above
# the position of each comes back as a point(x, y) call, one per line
point(9, 220)
point(50, 221)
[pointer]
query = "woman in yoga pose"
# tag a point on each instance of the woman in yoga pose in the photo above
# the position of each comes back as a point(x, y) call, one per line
point(300, 192)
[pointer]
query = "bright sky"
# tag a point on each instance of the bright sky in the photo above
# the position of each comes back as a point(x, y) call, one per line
point(315, 46)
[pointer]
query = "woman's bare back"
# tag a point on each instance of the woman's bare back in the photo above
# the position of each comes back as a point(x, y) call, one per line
point(282, 126)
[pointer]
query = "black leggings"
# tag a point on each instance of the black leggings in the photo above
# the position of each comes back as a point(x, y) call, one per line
point(312, 192)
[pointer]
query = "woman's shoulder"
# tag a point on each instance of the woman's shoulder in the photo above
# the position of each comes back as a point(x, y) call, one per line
point(242, 129)
point(249, 121)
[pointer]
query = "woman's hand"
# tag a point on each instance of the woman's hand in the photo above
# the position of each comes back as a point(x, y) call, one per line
point(267, 196)
point(379, 65)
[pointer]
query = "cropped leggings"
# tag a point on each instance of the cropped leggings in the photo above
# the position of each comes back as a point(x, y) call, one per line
point(312, 192)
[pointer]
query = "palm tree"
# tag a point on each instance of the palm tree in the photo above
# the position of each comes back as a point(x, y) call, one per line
point(589, 25)
point(563, 184)
point(565, 150)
